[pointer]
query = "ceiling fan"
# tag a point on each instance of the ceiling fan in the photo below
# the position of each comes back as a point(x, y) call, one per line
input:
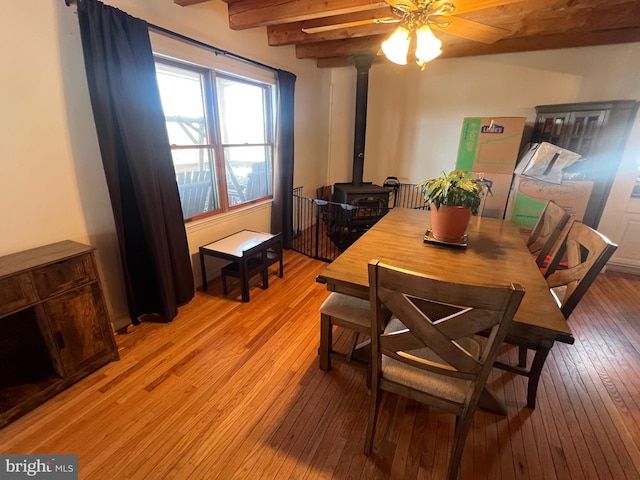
point(437, 14)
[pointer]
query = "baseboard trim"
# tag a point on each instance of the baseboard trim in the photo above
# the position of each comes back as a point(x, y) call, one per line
point(633, 269)
point(120, 324)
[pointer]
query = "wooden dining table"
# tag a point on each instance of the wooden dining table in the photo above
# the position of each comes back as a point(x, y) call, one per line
point(495, 254)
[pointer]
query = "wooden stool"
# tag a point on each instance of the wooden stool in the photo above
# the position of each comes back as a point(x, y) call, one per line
point(345, 311)
point(254, 266)
point(233, 270)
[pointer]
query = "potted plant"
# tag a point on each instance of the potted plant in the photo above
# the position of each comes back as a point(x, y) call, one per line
point(455, 197)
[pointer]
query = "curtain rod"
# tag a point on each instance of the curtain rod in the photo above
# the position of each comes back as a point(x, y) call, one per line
point(216, 50)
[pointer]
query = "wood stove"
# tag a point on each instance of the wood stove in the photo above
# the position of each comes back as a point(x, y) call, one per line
point(359, 193)
point(362, 194)
point(362, 203)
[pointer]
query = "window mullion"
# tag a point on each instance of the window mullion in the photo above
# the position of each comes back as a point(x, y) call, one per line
point(214, 138)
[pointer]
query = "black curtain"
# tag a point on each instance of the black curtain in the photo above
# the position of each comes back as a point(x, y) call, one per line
point(137, 160)
point(282, 209)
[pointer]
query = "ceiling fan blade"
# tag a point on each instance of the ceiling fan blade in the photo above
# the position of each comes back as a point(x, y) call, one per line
point(471, 30)
point(357, 23)
point(464, 6)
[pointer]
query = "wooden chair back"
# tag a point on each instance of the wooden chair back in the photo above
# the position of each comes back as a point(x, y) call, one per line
point(549, 230)
point(587, 251)
point(439, 316)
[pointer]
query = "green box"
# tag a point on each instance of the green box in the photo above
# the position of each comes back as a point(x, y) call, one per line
point(490, 144)
point(528, 198)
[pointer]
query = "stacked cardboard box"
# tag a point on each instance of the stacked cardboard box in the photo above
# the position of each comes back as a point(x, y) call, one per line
point(530, 194)
point(489, 149)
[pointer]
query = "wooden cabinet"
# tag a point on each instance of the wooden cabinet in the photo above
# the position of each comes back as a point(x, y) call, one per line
point(596, 130)
point(54, 326)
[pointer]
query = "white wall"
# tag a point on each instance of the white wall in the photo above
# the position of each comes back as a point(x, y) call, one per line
point(52, 184)
point(414, 118)
point(52, 187)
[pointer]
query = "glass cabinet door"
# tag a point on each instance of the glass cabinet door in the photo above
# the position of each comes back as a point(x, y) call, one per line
point(575, 131)
point(552, 127)
point(583, 131)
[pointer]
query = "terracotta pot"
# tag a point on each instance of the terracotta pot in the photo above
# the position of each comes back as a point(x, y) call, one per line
point(448, 224)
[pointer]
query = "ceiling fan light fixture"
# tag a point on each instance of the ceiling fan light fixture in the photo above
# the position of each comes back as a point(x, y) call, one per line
point(396, 46)
point(428, 46)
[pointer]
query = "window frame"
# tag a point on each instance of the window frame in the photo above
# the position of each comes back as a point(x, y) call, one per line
point(213, 126)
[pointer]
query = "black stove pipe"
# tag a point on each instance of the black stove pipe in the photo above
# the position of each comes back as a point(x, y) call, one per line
point(363, 64)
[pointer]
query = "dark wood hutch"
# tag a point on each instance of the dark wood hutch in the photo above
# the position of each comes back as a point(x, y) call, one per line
point(54, 327)
point(596, 130)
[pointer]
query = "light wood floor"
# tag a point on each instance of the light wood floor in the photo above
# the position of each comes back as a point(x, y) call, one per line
point(232, 390)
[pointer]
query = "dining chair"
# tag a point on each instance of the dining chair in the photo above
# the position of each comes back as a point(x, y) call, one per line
point(344, 311)
point(586, 252)
point(547, 232)
point(427, 351)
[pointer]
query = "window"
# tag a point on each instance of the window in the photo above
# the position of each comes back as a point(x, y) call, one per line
point(221, 133)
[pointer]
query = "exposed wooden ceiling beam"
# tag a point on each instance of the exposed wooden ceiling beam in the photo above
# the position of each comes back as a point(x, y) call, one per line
point(258, 13)
point(336, 48)
point(186, 3)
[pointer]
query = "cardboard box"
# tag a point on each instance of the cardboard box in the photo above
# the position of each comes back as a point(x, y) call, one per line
point(490, 145)
point(528, 198)
point(496, 204)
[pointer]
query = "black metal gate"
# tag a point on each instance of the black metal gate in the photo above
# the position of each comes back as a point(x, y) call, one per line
point(323, 229)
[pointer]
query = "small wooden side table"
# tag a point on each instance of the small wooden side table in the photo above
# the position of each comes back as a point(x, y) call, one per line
point(239, 248)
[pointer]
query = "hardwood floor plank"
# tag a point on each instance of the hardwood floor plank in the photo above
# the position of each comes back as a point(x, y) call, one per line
point(614, 369)
point(562, 450)
point(425, 441)
point(400, 459)
point(513, 428)
point(444, 436)
point(501, 452)
point(605, 415)
point(322, 438)
point(233, 390)
point(566, 422)
point(583, 407)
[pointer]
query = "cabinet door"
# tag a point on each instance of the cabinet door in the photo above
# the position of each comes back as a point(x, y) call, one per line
point(575, 131)
point(80, 328)
point(552, 128)
point(582, 134)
